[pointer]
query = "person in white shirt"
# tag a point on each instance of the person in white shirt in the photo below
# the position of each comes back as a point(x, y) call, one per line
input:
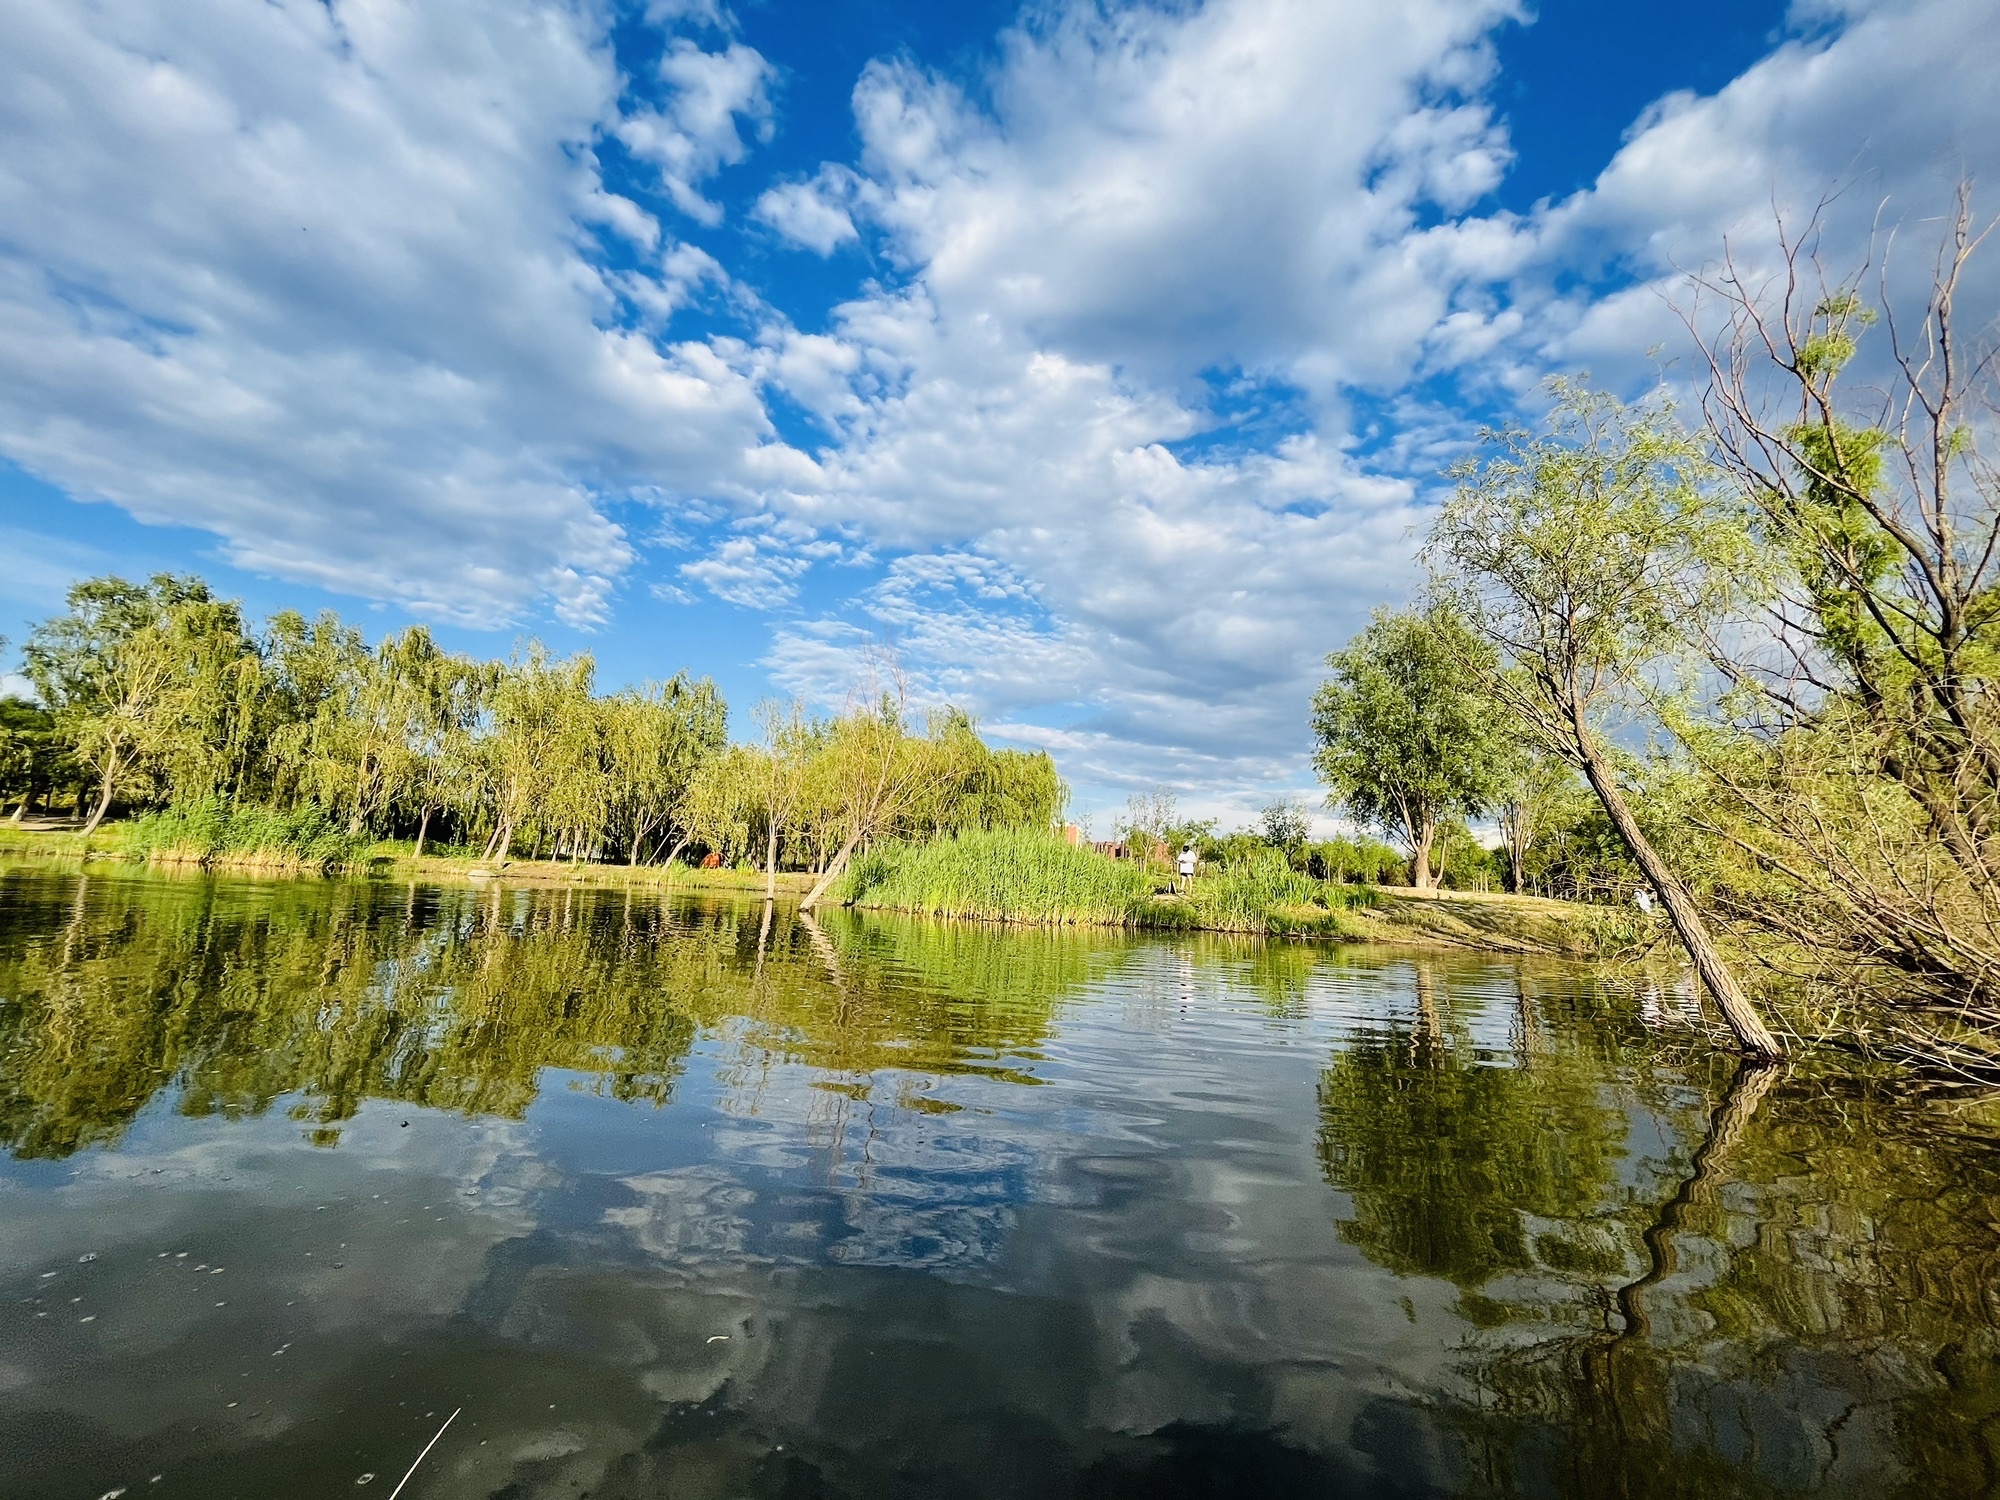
point(1186, 867)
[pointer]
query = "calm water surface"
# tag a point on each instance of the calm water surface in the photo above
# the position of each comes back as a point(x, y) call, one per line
point(667, 1205)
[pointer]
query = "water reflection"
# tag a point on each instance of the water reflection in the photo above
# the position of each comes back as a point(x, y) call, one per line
point(239, 995)
point(677, 1201)
point(1799, 1293)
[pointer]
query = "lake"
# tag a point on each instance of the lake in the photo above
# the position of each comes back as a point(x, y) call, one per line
point(662, 1200)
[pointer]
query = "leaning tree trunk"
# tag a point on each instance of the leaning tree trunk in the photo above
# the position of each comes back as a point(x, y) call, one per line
point(832, 872)
point(771, 863)
point(423, 829)
point(1748, 1027)
point(103, 795)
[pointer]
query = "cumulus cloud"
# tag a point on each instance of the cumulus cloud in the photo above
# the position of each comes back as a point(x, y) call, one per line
point(1132, 214)
point(696, 132)
point(1170, 319)
point(1881, 107)
point(813, 213)
point(1128, 217)
point(312, 277)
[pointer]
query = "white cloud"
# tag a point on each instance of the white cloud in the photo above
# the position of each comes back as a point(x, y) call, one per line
point(311, 277)
point(696, 132)
point(328, 283)
point(1132, 214)
point(813, 213)
point(1887, 104)
point(1156, 195)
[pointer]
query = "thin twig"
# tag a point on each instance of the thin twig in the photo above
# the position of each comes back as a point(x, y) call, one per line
point(420, 1457)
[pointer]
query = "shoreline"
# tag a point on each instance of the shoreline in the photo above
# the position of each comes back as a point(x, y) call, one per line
point(387, 862)
point(1469, 921)
point(1395, 916)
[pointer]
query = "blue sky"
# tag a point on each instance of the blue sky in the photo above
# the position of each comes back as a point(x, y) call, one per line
point(1097, 360)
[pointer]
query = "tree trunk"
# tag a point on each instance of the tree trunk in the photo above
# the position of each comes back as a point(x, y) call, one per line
point(764, 936)
point(1420, 863)
point(423, 828)
point(1748, 1027)
point(833, 871)
point(360, 800)
point(674, 853)
point(771, 863)
point(103, 796)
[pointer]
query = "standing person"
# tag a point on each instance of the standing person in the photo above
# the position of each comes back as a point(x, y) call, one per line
point(1186, 868)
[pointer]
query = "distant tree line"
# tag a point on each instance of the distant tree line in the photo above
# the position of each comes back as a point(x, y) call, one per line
point(160, 695)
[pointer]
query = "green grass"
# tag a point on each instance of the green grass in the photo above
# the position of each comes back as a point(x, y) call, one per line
point(214, 832)
point(1017, 875)
point(1003, 876)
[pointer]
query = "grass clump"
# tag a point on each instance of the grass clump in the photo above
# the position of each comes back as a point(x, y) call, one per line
point(1025, 875)
point(1265, 894)
point(214, 832)
point(1002, 875)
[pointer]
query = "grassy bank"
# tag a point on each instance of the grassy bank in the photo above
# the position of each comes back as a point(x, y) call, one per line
point(263, 846)
point(1034, 878)
point(302, 840)
point(1023, 876)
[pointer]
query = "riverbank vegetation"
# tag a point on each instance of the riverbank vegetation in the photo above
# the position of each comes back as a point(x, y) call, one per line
point(1762, 650)
point(1026, 875)
point(298, 745)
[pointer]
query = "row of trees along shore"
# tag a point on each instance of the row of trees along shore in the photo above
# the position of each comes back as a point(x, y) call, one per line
point(1766, 644)
point(301, 737)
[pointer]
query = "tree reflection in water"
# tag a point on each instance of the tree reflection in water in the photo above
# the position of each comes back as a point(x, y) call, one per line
point(1659, 1276)
point(1800, 1294)
point(241, 995)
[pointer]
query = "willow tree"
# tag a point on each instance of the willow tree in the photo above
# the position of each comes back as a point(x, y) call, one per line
point(1407, 734)
point(375, 719)
point(542, 711)
point(446, 699)
point(874, 772)
point(971, 785)
point(656, 739)
point(774, 776)
point(1587, 554)
point(129, 669)
point(30, 752)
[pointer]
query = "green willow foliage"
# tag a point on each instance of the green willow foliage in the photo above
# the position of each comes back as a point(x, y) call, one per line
point(298, 745)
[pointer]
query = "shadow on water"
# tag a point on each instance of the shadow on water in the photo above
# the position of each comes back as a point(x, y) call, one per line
point(700, 1198)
